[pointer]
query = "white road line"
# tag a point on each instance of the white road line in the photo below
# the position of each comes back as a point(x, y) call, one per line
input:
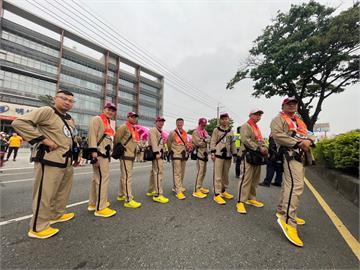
point(82, 173)
point(77, 169)
point(29, 216)
point(25, 168)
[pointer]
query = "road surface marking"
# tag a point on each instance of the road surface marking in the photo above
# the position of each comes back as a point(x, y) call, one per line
point(345, 233)
point(29, 216)
point(32, 179)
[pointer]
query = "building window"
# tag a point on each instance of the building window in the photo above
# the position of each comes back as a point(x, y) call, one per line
point(29, 43)
point(152, 89)
point(25, 61)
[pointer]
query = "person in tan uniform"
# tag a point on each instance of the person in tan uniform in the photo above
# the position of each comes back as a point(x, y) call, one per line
point(129, 137)
point(100, 140)
point(291, 137)
point(50, 130)
point(156, 142)
point(222, 147)
point(252, 144)
point(179, 148)
point(201, 140)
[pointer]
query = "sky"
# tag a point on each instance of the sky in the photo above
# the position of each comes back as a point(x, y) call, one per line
point(203, 44)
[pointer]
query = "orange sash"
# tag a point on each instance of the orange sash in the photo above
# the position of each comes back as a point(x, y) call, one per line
point(107, 127)
point(134, 132)
point(256, 130)
point(183, 135)
point(300, 127)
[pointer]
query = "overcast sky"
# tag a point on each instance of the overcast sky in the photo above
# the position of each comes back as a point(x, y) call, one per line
point(203, 43)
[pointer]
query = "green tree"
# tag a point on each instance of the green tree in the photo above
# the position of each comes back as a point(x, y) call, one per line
point(212, 124)
point(308, 53)
point(47, 100)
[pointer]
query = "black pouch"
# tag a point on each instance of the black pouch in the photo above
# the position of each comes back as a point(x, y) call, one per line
point(255, 157)
point(75, 152)
point(193, 155)
point(206, 157)
point(224, 152)
point(185, 155)
point(148, 154)
point(118, 151)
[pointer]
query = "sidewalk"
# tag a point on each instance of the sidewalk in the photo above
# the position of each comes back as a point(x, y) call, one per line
point(22, 160)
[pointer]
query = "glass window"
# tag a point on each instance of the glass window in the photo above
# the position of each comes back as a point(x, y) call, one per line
point(150, 88)
point(126, 83)
point(31, 44)
point(148, 98)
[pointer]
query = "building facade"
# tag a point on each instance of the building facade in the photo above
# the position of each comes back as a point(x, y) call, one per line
point(33, 66)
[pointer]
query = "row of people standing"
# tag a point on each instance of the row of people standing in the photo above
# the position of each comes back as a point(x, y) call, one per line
point(50, 129)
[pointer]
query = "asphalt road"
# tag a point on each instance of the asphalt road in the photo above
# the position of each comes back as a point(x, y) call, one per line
point(193, 233)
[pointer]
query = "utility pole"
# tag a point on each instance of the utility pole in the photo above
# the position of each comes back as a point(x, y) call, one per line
point(218, 112)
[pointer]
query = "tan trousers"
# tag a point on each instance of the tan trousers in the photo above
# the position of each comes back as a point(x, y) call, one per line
point(249, 180)
point(126, 170)
point(157, 176)
point(178, 167)
point(99, 185)
point(291, 190)
point(201, 172)
point(221, 175)
point(51, 193)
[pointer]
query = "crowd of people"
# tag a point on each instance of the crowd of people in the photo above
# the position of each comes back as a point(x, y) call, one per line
point(51, 132)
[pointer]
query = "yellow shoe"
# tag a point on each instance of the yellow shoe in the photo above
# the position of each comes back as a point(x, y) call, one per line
point(299, 221)
point(120, 198)
point(240, 208)
point(106, 212)
point(227, 195)
point(180, 196)
point(290, 233)
point(219, 200)
point(150, 194)
point(44, 233)
point(204, 190)
point(160, 199)
point(132, 204)
point(199, 194)
point(92, 207)
point(63, 218)
point(255, 203)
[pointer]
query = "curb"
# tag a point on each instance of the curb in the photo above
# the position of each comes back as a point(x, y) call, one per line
point(348, 186)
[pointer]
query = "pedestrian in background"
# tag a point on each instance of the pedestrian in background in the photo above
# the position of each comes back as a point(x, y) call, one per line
point(237, 159)
point(253, 148)
point(274, 165)
point(15, 142)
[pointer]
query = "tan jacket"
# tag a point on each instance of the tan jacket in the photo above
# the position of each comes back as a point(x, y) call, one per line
point(43, 123)
point(248, 139)
point(283, 137)
point(201, 144)
point(96, 132)
point(178, 151)
point(155, 141)
point(122, 135)
point(225, 148)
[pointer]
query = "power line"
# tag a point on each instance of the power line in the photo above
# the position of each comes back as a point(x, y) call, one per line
point(175, 85)
point(107, 34)
point(76, 29)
